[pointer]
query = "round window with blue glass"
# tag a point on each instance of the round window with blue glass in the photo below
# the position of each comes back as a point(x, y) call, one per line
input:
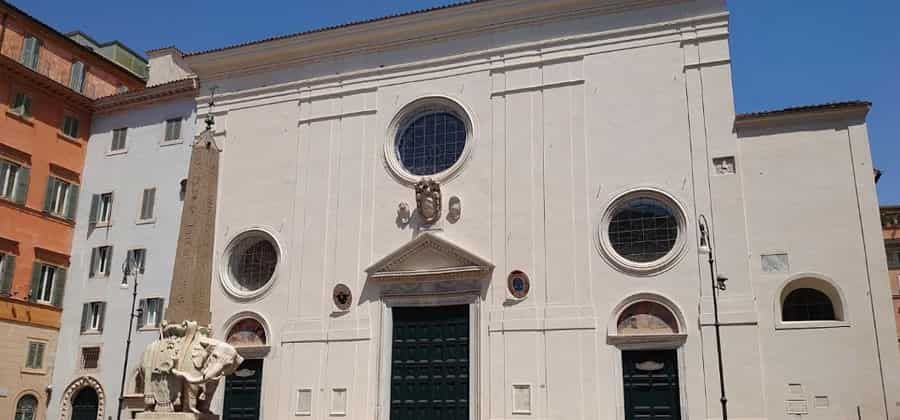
point(431, 142)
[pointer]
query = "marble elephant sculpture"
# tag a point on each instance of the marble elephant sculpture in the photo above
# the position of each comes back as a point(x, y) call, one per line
point(182, 373)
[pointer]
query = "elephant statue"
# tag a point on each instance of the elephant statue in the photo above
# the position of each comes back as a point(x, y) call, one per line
point(182, 369)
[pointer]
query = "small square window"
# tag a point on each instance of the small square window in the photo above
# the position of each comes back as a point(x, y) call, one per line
point(136, 259)
point(13, 181)
point(120, 135)
point(90, 357)
point(173, 129)
point(61, 198)
point(21, 105)
point(35, 358)
point(70, 126)
point(101, 261)
point(92, 315)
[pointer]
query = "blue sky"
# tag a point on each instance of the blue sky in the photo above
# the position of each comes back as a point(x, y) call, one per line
point(784, 52)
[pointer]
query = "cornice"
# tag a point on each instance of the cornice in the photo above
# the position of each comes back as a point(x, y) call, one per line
point(403, 31)
point(167, 91)
point(841, 111)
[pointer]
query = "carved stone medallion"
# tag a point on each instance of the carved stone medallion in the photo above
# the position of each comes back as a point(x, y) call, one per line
point(342, 297)
point(518, 284)
point(428, 200)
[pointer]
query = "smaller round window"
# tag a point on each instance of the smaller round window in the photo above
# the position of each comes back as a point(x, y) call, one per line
point(642, 231)
point(252, 258)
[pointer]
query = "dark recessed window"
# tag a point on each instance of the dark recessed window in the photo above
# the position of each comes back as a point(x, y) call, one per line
point(807, 305)
point(643, 230)
point(431, 142)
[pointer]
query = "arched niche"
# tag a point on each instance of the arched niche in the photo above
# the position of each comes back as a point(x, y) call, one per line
point(646, 321)
point(249, 334)
point(816, 283)
point(74, 391)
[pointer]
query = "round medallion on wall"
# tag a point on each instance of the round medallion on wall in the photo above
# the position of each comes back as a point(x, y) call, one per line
point(342, 296)
point(518, 284)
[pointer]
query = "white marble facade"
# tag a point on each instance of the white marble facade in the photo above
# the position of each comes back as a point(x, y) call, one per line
point(570, 110)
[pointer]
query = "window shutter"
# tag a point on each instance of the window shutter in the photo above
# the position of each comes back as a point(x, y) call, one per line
point(76, 77)
point(48, 195)
point(109, 260)
point(6, 277)
point(102, 309)
point(21, 190)
point(95, 208)
point(32, 353)
point(85, 316)
point(92, 269)
point(30, 52)
point(73, 202)
point(75, 122)
point(148, 203)
point(161, 309)
point(59, 287)
point(35, 281)
point(39, 356)
point(142, 309)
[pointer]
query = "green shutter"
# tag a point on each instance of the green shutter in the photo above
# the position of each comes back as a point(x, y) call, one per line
point(142, 310)
point(109, 260)
point(39, 356)
point(26, 106)
point(48, 194)
point(102, 309)
point(76, 76)
point(72, 204)
point(95, 208)
point(20, 192)
point(74, 127)
point(35, 281)
point(59, 287)
point(31, 52)
point(32, 355)
point(85, 316)
point(6, 276)
point(91, 269)
point(147, 203)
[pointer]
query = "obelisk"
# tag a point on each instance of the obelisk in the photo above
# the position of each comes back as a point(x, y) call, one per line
point(192, 275)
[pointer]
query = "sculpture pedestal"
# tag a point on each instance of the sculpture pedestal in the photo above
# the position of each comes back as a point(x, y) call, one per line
point(148, 415)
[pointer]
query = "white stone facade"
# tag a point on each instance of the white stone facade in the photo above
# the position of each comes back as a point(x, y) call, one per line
point(568, 106)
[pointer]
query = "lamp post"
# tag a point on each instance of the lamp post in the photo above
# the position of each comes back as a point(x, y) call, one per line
point(129, 268)
point(718, 285)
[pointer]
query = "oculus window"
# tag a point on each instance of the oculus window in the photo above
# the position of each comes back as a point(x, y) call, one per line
point(251, 260)
point(431, 142)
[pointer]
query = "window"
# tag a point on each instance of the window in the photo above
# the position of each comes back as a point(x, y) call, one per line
point(90, 357)
point(7, 267)
point(35, 358)
point(13, 181)
point(101, 261)
point(92, 314)
point(431, 142)
point(101, 208)
point(643, 230)
point(76, 76)
point(182, 189)
point(136, 258)
point(148, 200)
point(250, 262)
point(118, 141)
point(21, 105)
point(806, 304)
point(121, 89)
point(47, 284)
point(173, 129)
point(26, 408)
point(70, 126)
point(31, 51)
point(151, 312)
point(61, 198)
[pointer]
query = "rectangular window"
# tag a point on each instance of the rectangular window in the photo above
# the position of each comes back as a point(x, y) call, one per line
point(118, 141)
point(45, 284)
point(147, 203)
point(92, 314)
point(136, 258)
point(101, 261)
point(173, 129)
point(35, 358)
point(104, 210)
point(151, 312)
point(90, 357)
point(70, 126)
point(31, 52)
point(21, 105)
point(61, 198)
point(7, 266)
point(13, 181)
point(48, 284)
point(76, 76)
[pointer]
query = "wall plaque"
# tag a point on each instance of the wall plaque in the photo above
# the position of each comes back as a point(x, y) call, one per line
point(342, 297)
point(518, 284)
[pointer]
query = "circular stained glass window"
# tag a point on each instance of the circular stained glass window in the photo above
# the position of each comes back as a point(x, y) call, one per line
point(431, 142)
point(251, 261)
point(643, 229)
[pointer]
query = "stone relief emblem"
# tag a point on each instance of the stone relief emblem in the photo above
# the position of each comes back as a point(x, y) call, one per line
point(342, 297)
point(428, 200)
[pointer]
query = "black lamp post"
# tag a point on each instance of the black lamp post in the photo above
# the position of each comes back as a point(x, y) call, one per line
point(718, 285)
point(129, 268)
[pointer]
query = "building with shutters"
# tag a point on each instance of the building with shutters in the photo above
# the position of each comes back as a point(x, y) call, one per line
point(890, 222)
point(506, 209)
point(127, 223)
point(47, 85)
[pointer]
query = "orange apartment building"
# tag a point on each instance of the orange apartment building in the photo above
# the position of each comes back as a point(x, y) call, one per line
point(890, 227)
point(47, 85)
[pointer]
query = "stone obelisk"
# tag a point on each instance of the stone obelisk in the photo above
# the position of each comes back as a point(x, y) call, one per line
point(192, 275)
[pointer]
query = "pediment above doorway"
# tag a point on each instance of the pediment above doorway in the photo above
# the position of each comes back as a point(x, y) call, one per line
point(430, 257)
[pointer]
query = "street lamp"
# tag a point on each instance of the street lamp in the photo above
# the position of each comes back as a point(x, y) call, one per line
point(129, 268)
point(718, 285)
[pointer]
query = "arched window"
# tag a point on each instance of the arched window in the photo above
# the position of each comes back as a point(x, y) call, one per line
point(807, 304)
point(26, 408)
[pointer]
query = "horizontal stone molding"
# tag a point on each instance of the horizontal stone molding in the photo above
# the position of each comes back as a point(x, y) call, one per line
point(336, 116)
point(537, 87)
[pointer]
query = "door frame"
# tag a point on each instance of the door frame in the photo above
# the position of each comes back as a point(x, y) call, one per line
point(224, 384)
point(383, 409)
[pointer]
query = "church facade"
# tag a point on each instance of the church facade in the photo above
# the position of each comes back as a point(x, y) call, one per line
point(519, 209)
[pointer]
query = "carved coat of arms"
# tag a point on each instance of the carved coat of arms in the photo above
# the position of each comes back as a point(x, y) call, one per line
point(428, 200)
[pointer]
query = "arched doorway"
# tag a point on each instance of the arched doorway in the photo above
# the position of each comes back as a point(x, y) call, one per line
point(26, 408)
point(243, 390)
point(85, 404)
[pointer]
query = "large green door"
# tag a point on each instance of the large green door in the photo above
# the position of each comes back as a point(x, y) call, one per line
point(651, 385)
point(243, 390)
point(430, 363)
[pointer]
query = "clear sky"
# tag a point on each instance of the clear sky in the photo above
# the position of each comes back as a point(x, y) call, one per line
point(784, 52)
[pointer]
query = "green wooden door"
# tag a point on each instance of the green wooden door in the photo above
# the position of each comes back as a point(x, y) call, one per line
point(651, 385)
point(243, 390)
point(430, 363)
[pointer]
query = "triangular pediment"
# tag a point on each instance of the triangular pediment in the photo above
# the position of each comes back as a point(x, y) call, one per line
point(431, 256)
